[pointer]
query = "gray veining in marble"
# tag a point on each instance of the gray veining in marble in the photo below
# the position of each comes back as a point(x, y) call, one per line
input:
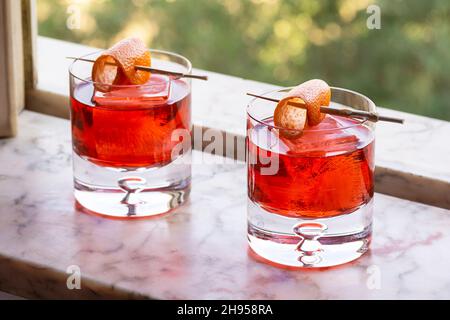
point(199, 251)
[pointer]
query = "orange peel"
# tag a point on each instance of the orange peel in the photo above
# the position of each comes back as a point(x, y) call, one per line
point(313, 94)
point(116, 66)
point(290, 117)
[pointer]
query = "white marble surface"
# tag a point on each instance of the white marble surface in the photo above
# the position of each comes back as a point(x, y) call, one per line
point(199, 251)
point(412, 160)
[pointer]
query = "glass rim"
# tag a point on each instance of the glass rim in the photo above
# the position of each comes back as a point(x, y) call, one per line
point(310, 129)
point(168, 53)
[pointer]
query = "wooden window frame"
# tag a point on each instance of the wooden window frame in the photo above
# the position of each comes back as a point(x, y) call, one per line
point(37, 99)
point(12, 76)
point(18, 68)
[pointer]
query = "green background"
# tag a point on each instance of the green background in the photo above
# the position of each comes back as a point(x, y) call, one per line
point(405, 65)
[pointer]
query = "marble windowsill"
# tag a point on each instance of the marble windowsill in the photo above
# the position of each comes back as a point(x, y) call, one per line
point(412, 160)
point(199, 251)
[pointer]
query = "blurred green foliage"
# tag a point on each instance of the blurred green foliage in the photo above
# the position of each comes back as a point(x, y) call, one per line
point(405, 65)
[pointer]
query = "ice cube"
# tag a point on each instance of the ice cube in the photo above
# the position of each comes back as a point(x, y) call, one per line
point(331, 137)
point(154, 92)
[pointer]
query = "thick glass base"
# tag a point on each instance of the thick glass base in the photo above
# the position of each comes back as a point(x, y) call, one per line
point(309, 243)
point(131, 193)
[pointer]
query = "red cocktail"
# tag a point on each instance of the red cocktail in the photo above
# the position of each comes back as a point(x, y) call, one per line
point(310, 194)
point(123, 129)
point(131, 142)
point(321, 174)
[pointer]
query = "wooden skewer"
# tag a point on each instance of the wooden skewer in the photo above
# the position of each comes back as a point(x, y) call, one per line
point(154, 70)
point(351, 113)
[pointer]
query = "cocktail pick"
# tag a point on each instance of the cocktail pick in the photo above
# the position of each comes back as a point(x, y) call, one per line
point(346, 112)
point(154, 70)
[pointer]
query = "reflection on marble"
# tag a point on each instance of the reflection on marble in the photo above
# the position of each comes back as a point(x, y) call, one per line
point(199, 251)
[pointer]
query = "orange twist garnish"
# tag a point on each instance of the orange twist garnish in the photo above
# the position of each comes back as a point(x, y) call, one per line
point(313, 94)
point(116, 66)
point(290, 117)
